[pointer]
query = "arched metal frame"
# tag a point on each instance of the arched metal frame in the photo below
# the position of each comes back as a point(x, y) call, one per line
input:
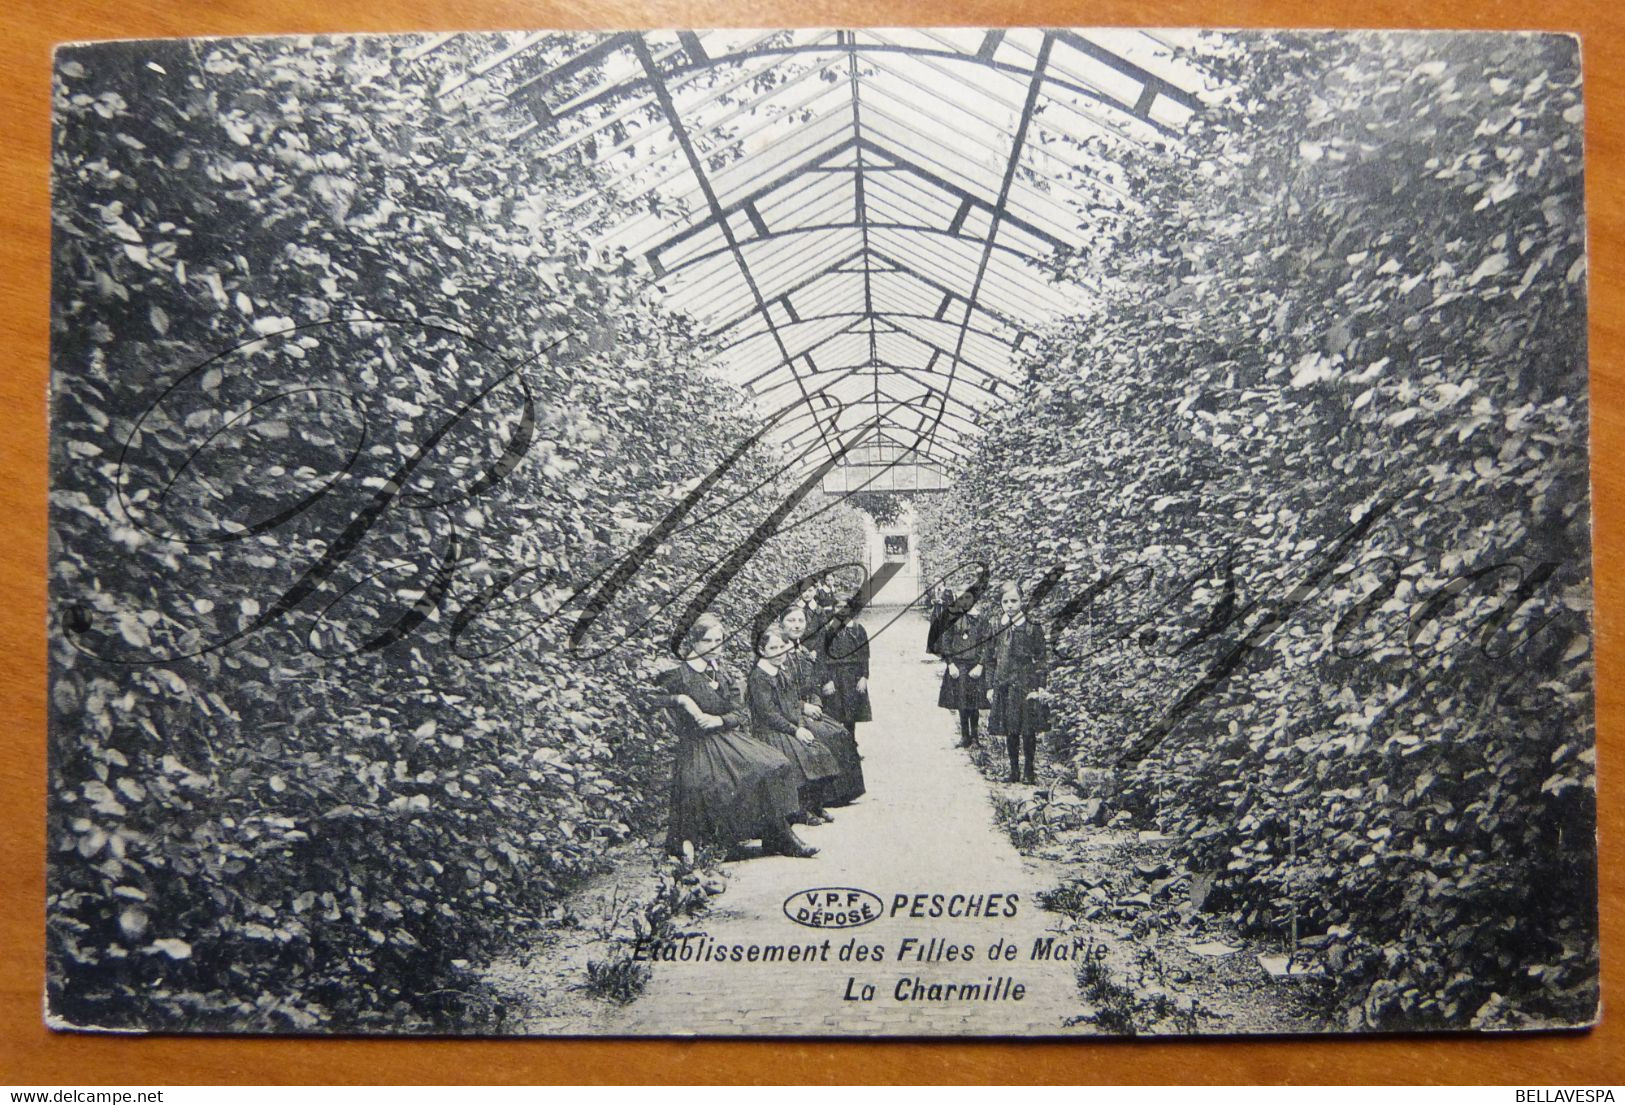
point(860, 213)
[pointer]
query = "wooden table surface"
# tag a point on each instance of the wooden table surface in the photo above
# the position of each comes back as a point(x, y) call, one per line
point(29, 1054)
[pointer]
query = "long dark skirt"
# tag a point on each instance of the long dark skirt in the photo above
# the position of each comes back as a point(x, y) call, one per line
point(848, 704)
point(812, 763)
point(728, 787)
point(847, 784)
point(963, 692)
point(1013, 713)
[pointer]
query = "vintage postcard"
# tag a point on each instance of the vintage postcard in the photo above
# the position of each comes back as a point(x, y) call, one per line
point(915, 532)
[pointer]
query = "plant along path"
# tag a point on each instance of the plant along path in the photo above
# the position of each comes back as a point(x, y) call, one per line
point(925, 827)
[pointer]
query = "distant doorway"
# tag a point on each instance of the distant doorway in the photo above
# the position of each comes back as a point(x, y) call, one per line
point(892, 558)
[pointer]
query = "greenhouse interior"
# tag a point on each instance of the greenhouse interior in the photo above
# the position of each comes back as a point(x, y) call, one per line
point(419, 402)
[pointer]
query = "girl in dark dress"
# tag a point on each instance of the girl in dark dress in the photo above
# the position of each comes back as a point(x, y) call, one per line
point(726, 786)
point(813, 680)
point(965, 646)
point(1020, 664)
point(776, 719)
point(846, 652)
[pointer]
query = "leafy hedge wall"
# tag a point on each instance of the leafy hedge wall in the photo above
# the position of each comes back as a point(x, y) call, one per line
point(1335, 387)
point(296, 779)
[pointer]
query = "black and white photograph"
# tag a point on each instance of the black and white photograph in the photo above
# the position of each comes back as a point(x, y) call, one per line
point(916, 532)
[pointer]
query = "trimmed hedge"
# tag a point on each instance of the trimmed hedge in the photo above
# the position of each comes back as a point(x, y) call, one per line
point(292, 784)
point(1316, 473)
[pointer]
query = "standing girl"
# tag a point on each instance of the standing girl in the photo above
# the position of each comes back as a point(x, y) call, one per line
point(727, 788)
point(776, 720)
point(965, 647)
point(846, 652)
point(1020, 663)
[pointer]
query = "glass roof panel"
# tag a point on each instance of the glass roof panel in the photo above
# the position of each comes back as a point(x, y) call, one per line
point(871, 212)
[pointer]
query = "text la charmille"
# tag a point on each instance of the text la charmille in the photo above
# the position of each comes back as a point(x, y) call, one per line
point(1001, 988)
